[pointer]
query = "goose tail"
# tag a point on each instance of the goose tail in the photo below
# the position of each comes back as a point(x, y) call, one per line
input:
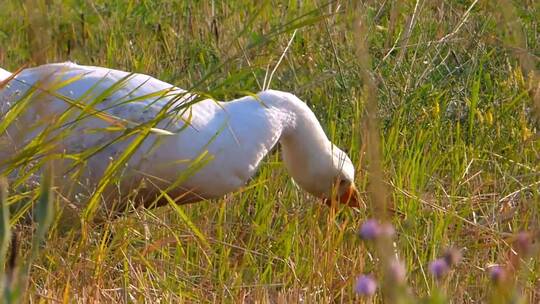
point(4, 75)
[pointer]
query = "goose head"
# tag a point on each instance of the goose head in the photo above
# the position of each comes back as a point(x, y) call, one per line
point(342, 189)
point(338, 185)
point(330, 176)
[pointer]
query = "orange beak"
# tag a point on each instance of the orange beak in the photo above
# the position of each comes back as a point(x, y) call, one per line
point(350, 198)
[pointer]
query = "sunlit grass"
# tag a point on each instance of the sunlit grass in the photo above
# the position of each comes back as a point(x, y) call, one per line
point(459, 145)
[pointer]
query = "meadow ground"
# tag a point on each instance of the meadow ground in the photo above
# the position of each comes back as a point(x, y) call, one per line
point(448, 85)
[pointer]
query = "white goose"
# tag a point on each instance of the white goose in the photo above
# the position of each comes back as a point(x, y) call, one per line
point(233, 136)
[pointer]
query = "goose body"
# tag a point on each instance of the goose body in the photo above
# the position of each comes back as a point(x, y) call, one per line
point(226, 141)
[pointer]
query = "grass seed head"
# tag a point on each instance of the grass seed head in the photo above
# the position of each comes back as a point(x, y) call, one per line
point(452, 256)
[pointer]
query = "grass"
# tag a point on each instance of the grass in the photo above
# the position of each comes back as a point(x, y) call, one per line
point(448, 85)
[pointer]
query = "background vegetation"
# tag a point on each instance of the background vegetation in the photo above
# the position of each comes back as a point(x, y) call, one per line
point(455, 84)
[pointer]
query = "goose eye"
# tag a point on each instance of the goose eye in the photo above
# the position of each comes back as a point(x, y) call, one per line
point(343, 183)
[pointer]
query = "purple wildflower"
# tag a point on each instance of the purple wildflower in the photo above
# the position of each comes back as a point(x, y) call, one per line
point(365, 285)
point(387, 230)
point(438, 268)
point(370, 230)
point(497, 274)
point(523, 243)
point(397, 271)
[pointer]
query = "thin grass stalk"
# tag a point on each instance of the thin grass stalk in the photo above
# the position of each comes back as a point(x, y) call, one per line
point(393, 289)
point(5, 227)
